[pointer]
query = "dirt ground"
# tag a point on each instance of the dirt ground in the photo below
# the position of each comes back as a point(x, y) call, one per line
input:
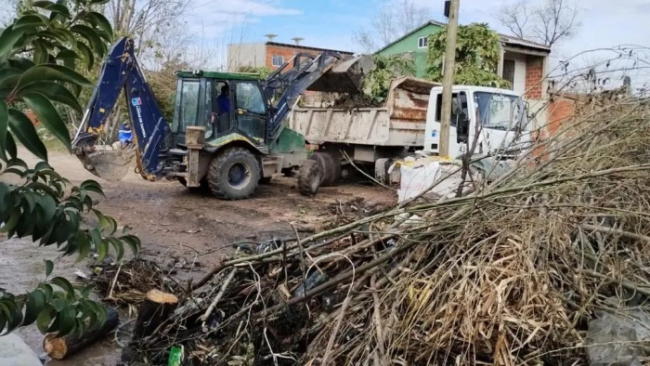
point(177, 225)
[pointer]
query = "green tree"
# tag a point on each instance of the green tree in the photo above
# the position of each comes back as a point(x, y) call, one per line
point(477, 56)
point(38, 55)
point(385, 69)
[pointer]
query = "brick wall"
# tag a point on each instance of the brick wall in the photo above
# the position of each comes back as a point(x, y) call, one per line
point(534, 77)
point(286, 52)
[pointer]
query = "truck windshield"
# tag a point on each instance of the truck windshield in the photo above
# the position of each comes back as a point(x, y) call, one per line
point(499, 111)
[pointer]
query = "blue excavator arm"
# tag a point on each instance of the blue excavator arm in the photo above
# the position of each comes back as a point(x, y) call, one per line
point(121, 72)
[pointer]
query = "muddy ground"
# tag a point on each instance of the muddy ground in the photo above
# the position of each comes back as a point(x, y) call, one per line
point(176, 225)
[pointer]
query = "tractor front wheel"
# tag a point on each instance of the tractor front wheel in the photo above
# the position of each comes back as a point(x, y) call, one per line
point(234, 174)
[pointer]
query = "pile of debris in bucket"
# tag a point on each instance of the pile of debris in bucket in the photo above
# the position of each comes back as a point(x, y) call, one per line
point(545, 265)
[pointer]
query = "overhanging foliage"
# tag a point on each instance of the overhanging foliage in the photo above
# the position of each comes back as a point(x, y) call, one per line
point(39, 52)
point(477, 56)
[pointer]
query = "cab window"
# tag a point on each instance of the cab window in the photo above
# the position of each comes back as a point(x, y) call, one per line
point(189, 105)
point(249, 98)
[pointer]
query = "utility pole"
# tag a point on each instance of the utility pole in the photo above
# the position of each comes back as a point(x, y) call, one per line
point(448, 77)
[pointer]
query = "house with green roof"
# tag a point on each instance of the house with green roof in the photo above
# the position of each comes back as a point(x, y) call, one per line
point(523, 63)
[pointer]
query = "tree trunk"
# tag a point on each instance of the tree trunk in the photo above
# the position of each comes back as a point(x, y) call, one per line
point(61, 347)
point(157, 307)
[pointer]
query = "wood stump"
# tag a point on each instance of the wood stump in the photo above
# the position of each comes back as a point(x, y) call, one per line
point(155, 309)
point(61, 347)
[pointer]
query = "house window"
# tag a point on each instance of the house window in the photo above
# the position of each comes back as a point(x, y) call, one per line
point(278, 60)
point(423, 42)
point(509, 72)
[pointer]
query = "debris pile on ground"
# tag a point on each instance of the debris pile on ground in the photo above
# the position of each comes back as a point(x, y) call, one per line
point(129, 282)
point(509, 274)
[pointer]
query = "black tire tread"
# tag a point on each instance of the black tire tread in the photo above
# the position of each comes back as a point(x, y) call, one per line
point(215, 178)
point(306, 175)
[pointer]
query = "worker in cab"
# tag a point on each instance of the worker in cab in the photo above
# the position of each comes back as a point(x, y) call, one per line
point(125, 135)
point(223, 110)
point(223, 100)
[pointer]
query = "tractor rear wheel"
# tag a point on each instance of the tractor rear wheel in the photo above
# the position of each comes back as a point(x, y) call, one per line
point(234, 174)
point(310, 178)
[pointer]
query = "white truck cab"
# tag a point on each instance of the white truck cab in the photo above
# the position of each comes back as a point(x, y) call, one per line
point(497, 115)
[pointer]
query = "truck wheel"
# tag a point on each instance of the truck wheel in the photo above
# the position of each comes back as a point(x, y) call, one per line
point(330, 166)
point(234, 174)
point(310, 178)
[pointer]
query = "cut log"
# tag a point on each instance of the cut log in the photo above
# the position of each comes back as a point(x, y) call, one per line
point(61, 347)
point(157, 307)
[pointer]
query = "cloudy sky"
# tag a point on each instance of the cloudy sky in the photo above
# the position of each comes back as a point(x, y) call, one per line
point(331, 23)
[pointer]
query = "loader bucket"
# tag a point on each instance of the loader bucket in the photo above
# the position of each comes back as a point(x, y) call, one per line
point(344, 77)
point(107, 162)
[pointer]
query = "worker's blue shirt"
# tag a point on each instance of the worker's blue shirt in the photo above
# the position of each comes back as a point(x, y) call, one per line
point(224, 104)
point(125, 135)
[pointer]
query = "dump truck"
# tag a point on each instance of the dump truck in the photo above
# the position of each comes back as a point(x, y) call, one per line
point(366, 136)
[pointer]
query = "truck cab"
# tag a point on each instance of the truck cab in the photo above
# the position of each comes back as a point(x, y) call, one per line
point(497, 118)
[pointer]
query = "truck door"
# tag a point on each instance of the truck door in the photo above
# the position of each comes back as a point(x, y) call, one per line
point(458, 136)
point(250, 111)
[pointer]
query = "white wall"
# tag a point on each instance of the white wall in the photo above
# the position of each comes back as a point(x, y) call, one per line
point(246, 54)
point(519, 85)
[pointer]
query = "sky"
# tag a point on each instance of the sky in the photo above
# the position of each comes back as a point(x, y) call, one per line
point(332, 23)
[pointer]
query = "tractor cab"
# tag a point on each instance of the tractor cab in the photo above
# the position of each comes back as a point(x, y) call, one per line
point(224, 104)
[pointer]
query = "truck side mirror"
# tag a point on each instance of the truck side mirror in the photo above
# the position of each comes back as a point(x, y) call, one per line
point(462, 131)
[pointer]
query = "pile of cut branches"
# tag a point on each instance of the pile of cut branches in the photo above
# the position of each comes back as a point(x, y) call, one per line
point(507, 274)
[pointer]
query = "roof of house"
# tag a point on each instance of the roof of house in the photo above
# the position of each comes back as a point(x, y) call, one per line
point(508, 40)
point(299, 46)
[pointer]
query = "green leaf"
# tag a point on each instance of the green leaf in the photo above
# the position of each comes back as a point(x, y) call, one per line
point(48, 115)
point(24, 130)
point(84, 247)
point(8, 40)
point(65, 285)
point(41, 55)
point(16, 319)
point(13, 221)
point(47, 290)
point(87, 54)
point(44, 319)
point(9, 77)
point(30, 199)
point(11, 146)
point(21, 63)
point(91, 36)
point(52, 72)
point(35, 305)
point(99, 2)
point(102, 250)
point(55, 8)
point(54, 91)
point(29, 21)
point(49, 267)
point(133, 242)
point(4, 124)
point(98, 20)
point(67, 54)
point(118, 246)
point(67, 321)
point(92, 186)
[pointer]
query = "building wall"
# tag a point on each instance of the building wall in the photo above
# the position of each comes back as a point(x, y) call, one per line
point(286, 52)
point(519, 84)
point(410, 44)
point(246, 54)
point(534, 77)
